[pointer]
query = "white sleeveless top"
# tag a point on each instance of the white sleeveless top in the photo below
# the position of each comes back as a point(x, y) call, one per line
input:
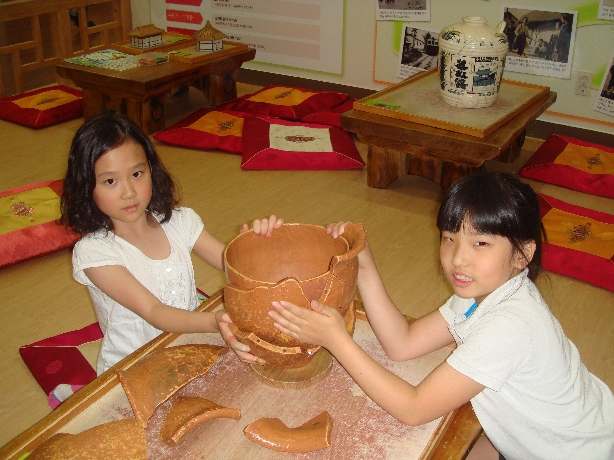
point(171, 280)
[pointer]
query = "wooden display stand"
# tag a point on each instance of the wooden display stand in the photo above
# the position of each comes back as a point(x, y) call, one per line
point(402, 143)
point(230, 383)
point(418, 100)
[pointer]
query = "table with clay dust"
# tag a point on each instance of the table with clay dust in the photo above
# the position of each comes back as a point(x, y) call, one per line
point(361, 429)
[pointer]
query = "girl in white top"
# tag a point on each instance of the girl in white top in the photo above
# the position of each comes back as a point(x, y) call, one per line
point(530, 391)
point(135, 253)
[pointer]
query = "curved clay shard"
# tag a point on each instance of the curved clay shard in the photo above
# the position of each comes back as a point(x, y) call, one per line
point(188, 413)
point(300, 251)
point(273, 355)
point(118, 439)
point(161, 373)
point(285, 357)
point(274, 434)
point(248, 309)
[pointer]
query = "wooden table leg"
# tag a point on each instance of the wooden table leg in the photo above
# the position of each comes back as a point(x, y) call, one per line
point(384, 165)
point(148, 114)
point(93, 103)
point(512, 153)
point(219, 87)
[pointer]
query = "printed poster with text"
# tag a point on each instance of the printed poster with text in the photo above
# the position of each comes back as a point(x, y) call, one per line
point(297, 33)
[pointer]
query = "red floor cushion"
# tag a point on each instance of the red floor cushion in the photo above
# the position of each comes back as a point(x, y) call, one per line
point(206, 129)
point(330, 116)
point(28, 222)
point(574, 164)
point(286, 102)
point(43, 107)
point(270, 143)
point(580, 242)
point(58, 360)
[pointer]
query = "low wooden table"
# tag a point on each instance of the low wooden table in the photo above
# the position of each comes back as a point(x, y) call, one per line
point(398, 147)
point(139, 92)
point(370, 430)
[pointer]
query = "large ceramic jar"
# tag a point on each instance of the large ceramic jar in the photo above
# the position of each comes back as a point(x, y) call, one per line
point(471, 60)
point(298, 263)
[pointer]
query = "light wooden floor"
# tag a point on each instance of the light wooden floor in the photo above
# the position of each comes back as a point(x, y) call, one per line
point(40, 299)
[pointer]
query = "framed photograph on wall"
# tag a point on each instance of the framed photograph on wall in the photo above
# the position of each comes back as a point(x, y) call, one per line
point(540, 42)
point(419, 49)
point(403, 10)
point(605, 101)
point(606, 10)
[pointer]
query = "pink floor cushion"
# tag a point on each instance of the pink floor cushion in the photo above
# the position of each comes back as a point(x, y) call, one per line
point(574, 164)
point(29, 225)
point(286, 102)
point(43, 107)
point(330, 116)
point(580, 242)
point(206, 129)
point(270, 143)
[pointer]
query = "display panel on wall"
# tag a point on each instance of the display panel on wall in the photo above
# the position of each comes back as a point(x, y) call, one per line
point(304, 34)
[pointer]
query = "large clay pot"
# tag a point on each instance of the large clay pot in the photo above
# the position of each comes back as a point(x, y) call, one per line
point(298, 263)
point(471, 61)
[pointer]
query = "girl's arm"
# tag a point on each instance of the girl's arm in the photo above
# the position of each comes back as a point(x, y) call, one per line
point(400, 340)
point(442, 391)
point(120, 285)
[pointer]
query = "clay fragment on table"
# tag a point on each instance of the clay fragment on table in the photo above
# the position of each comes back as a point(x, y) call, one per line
point(274, 434)
point(189, 412)
point(111, 440)
point(161, 373)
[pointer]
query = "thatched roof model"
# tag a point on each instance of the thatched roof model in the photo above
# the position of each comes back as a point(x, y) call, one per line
point(145, 31)
point(209, 33)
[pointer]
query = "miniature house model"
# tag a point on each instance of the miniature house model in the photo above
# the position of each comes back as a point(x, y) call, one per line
point(145, 37)
point(209, 38)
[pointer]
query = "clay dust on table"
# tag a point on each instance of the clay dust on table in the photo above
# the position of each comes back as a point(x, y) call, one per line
point(360, 428)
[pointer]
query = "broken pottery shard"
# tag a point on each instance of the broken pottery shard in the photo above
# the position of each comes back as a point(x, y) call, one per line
point(283, 356)
point(161, 373)
point(274, 434)
point(188, 413)
point(112, 440)
point(274, 355)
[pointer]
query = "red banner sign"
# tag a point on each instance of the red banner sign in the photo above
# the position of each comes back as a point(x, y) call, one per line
point(189, 17)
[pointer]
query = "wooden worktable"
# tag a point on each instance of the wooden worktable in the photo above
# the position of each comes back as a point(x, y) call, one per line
point(139, 92)
point(360, 428)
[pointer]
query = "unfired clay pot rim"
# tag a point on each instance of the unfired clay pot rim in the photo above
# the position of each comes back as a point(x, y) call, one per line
point(334, 259)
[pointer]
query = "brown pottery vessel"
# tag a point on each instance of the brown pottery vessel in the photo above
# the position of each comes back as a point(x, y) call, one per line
point(297, 263)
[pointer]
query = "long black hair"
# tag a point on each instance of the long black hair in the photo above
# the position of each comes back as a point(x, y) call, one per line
point(496, 204)
point(93, 139)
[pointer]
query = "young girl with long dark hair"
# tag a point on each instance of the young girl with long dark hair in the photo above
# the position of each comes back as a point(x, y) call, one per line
point(134, 256)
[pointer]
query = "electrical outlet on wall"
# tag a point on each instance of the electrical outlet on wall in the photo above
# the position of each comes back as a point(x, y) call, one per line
point(583, 83)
